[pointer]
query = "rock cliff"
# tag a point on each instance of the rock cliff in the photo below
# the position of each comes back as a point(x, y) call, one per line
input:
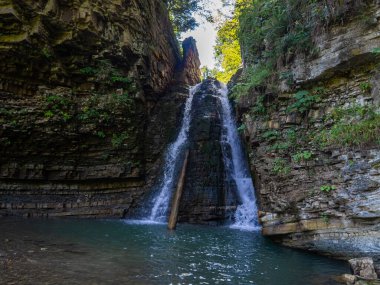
point(81, 86)
point(313, 143)
point(208, 197)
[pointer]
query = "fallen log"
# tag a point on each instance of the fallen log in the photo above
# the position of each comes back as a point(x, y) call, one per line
point(177, 196)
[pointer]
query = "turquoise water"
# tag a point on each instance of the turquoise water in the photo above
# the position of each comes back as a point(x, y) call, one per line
point(114, 252)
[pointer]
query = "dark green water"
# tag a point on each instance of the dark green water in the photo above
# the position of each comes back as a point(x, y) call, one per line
point(113, 252)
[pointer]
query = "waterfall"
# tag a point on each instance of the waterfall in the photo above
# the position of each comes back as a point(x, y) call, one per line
point(173, 154)
point(237, 168)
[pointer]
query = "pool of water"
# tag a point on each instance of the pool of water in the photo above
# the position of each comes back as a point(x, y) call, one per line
point(115, 252)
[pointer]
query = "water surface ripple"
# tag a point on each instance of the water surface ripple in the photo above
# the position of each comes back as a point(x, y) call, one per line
point(113, 252)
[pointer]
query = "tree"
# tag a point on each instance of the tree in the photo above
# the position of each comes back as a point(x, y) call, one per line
point(227, 49)
point(182, 13)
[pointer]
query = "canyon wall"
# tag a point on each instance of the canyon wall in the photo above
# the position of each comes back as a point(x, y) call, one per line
point(87, 103)
point(313, 143)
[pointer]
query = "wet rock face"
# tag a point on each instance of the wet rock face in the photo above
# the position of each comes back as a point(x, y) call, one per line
point(323, 198)
point(80, 85)
point(206, 196)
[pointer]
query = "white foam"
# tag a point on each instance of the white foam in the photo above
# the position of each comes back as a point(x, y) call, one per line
point(143, 222)
point(237, 169)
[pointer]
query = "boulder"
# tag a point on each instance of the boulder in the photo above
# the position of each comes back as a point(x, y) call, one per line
point(363, 267)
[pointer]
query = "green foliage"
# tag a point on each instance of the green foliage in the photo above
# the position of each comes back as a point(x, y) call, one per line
point(354, 126)
point(253, 77)
point(107, 76)
point(49, 114)
point(291, 136)
point(259, 107)
point(281, 25)
point(242, 128)
point(288, 76)
point(327, 188)
point(279, 147)
point(118, 140)
point(46, 52)
point(271, 135)
point(365, 87)
point(101, 134)
point(182, 13)
point(326, 218)
point(303, 102)
point(121, 100)
point(302, 156)
point(227, 48)
point(376, 51)
point(121, 79)
point(58, 105)
point(271, 34)
point(280, 167)
point(88, 70)
point(101, 108)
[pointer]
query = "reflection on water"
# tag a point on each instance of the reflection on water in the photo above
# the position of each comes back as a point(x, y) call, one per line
point(113, 252)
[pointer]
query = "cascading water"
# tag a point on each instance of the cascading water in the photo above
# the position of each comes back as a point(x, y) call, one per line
point(237, 168)
point(173, 154)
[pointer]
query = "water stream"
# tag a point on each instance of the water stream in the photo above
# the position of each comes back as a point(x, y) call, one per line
point(237, 167)
point(173, 154)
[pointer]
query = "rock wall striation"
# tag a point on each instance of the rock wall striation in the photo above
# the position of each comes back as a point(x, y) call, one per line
point(82, 84)
point(314, 148)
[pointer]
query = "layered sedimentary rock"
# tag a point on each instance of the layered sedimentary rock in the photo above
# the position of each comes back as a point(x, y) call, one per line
point(80, 84)
point(207, 196)
point(324, 198)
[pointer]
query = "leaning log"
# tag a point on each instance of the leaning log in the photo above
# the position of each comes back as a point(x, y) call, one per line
point(177, 197)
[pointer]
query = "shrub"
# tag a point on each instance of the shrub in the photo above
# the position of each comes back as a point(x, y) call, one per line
point(253, 77)
point(118, 140)
point(354, 126)
point(279, 147)
point(280, 166)
point(303, 102)
point(327, 188)
point(88, 70)
point(302, 156)
point(365, 87)
point(57, 105)
point(291, 136)
point(271, 135)
point(259, 107)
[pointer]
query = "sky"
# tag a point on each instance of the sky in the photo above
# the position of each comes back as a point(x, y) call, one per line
point(205, 35)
